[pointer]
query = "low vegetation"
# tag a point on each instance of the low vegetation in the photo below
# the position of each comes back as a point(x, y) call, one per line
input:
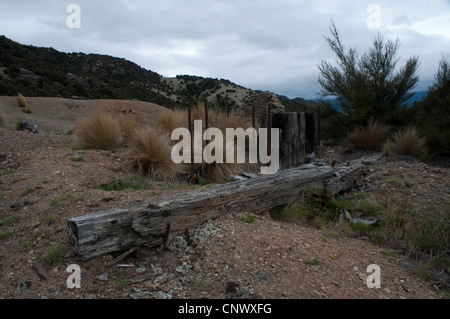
point(54, 255)
point(396, 223)
point(408, 142)
point(78, 159)
point(10, 220)
point(66, 197)
point(134, 183)
point(369, 138)
point(150, 154)
point(99, 131)
point(21, 100)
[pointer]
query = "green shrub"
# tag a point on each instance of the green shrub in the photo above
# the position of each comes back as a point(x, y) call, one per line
point(248, 218)
point(135, 183)
point(5, 234)
point(54, 256)
point(78, 159)
point(10, 220)
point(28, 191)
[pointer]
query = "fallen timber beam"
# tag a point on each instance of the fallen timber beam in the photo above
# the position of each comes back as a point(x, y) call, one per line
point(120, 229)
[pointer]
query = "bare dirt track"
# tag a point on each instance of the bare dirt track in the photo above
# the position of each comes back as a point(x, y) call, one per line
point(41, 187)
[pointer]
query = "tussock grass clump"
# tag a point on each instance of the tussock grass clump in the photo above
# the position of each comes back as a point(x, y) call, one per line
point(128, 124)
point(368, 138)
point(216, 172)
point(408, 142)
point(150, 154)
point(170, 120)
point(21, 100)
point(99, 131)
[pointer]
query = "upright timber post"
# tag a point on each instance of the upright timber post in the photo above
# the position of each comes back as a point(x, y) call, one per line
point(207, 171)
point(192, 144)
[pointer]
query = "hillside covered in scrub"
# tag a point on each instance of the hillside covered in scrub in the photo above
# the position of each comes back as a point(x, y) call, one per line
point(46, 72)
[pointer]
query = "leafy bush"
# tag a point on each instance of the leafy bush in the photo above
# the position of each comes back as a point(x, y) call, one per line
point(432, 115)
point(100, 131)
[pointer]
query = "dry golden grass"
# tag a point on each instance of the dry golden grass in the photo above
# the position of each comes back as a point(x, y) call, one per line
point(170, 120)
point(408, 142)
point(99, 131)
point(150, 154)
point(21, 100)
point(128, 124)
point(218, 172)
point(370, 137)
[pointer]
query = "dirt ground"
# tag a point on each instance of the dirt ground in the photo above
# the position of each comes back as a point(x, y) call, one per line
point(225, 258)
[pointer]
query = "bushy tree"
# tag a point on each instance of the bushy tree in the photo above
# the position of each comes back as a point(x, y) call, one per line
point(370, 86)
point(432, 115)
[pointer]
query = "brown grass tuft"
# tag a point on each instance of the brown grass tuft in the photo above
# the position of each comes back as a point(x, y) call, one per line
point(99, 131)
point(128, 124)
point(408, 142)
point(218, 172)
point(150, 154)
point(369, 138)
point(170, 120)
point(21, 100)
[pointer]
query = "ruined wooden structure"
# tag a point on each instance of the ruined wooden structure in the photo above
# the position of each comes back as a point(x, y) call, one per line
point(298, 136)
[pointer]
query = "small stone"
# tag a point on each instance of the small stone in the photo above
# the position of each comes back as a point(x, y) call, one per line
point(103, 277)
point(25, 286)
point(261, 276)
point(232, 287)
point(317, 294)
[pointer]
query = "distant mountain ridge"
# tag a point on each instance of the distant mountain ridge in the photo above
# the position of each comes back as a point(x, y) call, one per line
point(46, 72)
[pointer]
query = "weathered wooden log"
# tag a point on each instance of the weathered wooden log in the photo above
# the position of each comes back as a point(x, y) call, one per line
point(120, 229)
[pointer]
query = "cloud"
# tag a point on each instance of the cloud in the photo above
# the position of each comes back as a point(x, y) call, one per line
point(260, 44)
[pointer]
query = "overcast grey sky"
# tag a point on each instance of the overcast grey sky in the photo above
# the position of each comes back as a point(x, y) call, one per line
point(260, 44)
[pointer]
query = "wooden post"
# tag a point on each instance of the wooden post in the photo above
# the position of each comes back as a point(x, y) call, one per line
point(192, 144)
point(253, 117)
point(269, 130)
point(206, 127)
point(318, 130)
